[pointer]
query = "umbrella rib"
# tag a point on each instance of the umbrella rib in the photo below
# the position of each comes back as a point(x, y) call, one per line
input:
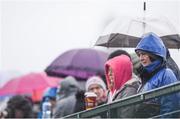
point(74, 55)
point(112, 39)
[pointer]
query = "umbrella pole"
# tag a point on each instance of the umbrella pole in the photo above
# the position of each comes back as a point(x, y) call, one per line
point(144, 16)
point(144, 8)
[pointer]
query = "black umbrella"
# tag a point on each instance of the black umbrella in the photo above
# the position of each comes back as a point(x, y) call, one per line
point(127, 31)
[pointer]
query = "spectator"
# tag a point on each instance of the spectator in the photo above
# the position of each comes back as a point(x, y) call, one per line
point(134, 59)
point(66, 99)
point(172, 65)
point(137, 66)
point(19, 107)
point(93, 84)
point(50, 94)
point(118, 53)
point(96, 84)
point(152, 54)
point(80, 101)
point(120, 82)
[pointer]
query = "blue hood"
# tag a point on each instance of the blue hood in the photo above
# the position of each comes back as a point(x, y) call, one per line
point(49, 93)
point(153, 44)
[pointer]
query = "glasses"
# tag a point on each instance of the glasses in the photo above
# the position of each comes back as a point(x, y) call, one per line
point(140, 53)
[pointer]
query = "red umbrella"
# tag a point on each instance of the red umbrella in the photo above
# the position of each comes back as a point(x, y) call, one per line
point(32, 84)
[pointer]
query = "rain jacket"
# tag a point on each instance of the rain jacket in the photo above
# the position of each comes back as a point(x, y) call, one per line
point(67, 100)
point(125, 84)
point(173, 66)
point(156, 74)
point(50, 93)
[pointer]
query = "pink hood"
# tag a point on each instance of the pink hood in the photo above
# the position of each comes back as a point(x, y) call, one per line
point(122, 69)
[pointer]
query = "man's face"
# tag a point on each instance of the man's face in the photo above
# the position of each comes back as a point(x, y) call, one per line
point(98, 90)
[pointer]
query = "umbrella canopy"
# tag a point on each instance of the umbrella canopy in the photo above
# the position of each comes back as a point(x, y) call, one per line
point(32, 84)
point(6, 76)
point(80, 63)
point(127, 31)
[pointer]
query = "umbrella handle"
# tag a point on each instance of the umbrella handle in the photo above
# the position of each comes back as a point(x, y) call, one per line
point(144, 8)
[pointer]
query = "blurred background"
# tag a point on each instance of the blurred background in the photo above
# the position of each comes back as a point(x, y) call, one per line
point(34, 32)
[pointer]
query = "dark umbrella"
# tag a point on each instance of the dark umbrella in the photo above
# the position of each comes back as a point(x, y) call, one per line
point(80, 63)
point(127, 31)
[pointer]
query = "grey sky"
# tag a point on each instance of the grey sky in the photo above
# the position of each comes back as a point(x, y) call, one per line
point(34, 32)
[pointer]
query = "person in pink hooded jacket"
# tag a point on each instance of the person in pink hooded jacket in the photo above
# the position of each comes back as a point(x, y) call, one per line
point(121, 84)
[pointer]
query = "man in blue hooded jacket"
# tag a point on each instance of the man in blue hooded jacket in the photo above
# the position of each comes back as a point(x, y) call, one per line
point(152, 54)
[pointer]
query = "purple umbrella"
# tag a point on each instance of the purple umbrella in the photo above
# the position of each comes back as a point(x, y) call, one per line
point(80, 63)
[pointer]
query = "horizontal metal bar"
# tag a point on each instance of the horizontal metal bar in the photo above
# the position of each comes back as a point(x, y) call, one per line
point(172, 88)
point(166, 114)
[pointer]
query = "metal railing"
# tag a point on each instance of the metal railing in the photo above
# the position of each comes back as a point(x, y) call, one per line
point(135, 99)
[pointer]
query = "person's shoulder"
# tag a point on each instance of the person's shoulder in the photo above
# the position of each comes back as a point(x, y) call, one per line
point(165, 71)
point(134, 80)
point(168, 71)
point(169, 75)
